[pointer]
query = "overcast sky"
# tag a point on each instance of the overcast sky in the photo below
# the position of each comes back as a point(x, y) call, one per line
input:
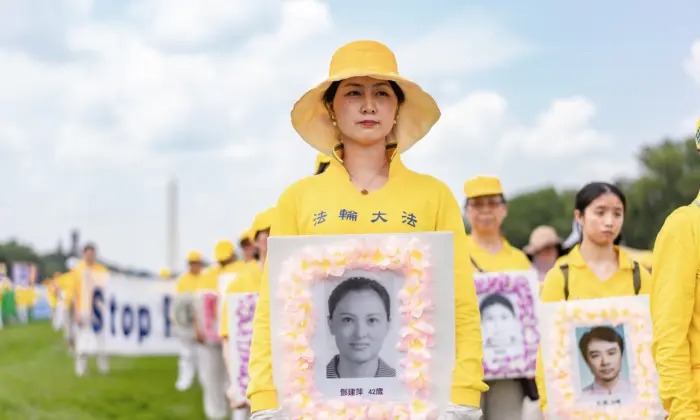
point(102, 102)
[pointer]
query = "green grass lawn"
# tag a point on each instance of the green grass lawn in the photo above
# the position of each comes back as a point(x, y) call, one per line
point(37, 381)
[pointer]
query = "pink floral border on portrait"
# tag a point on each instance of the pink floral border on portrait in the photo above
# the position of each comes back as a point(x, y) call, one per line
point(313, 265)
point(245, 312)
point(563, 397)
point(518, 284)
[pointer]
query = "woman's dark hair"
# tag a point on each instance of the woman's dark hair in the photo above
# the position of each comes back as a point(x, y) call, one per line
point(590, 192)
point(600, 333)
point(329, 94)
point(355, 284)
point(262, 231)
point(496, 299)
point(322, 167)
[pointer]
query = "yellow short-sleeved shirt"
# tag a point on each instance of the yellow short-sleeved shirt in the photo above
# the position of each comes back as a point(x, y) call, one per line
point(329, 204)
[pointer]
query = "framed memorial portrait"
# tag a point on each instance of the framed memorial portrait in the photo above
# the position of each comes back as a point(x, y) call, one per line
point(241, 310)
point(597, 359)
point(354, 324)
point(507, 304)
point(207, 316)
point(182, 315)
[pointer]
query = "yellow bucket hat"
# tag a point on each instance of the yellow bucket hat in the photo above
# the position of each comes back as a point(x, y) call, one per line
point(263, 221)
point(416, 116)
point(482, 185)
point(223, 250)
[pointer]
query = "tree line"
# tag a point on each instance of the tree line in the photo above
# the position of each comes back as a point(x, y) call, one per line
point(669, 178)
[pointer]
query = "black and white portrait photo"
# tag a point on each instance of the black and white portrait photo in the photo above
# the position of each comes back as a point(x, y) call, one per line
point(357, 334)
point(371, 328)
point(359, 318)
point(603, 366)
point(500, 326)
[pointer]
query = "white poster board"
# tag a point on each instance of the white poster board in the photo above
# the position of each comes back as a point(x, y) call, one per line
point(597, 359)
point(241, 309)
point(349, 315)
point(207, 312)
point(182, 315)
point(508, 306)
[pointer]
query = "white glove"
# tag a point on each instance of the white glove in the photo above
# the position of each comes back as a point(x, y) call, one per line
point(460, 412)
point(272, 414)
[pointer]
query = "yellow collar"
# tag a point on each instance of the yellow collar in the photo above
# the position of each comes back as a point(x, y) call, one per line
point(576, 259)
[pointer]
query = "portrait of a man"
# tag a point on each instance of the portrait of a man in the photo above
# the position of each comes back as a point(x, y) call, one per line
point(359, 320)
point(603, 351)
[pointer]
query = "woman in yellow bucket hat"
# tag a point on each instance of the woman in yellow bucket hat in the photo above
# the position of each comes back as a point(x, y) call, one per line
point(364, 115)
point(675, 309)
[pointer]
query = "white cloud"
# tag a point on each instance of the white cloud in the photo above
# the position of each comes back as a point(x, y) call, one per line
point(205, 93)
point(183, 22)
point(692, 63)
point(478, 135)
point(563, 130)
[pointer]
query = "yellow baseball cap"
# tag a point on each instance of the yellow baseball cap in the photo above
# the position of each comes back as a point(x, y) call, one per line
point(482, 185)
point(263, 221)
point(194, 256)
point(223, 250)
point(246, 236)
point(164, 273)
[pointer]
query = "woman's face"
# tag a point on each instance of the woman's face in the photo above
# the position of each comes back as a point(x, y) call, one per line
point(602, 219)
point(261, 241)
point(486, 214)
point(359, 325)
point(545, 258)
point(365, 109)
point(499, 325)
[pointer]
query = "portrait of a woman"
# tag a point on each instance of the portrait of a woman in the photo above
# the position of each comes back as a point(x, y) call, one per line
point(359, 319)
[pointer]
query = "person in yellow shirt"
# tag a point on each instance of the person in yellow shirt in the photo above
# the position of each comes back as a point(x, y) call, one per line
point(489, 251)
point(66, 285)
point(597, 267)
point(82, 307)
point(675, 309)
point(247, 280)
point(209, 357)
point(186, 284)
point(364, 116)
point(247, 244)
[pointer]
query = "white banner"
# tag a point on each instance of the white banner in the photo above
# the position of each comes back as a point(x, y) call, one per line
point(132, 316)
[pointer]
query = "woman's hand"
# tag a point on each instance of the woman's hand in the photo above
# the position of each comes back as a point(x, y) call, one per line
point(460, 412)
point(235, 399)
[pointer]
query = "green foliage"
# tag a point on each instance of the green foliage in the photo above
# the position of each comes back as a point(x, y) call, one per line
point(38, 383)
point(670, 178)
